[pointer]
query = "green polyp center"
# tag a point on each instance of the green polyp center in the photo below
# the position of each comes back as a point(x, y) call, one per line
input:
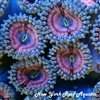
point(24, 37)
point(71, 58)
point(65, 22)
point(34, 74)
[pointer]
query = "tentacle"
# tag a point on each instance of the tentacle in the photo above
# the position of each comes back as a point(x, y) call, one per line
point(95, 34)
point(3, 6)
point(33, 76)
point(96, 43)
point(30, 6)
point(22, 40)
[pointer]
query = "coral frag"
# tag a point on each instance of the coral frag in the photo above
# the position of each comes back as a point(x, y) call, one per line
point(53, 37)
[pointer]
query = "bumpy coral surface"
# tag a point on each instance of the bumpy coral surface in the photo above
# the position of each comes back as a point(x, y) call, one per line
point(46, 38)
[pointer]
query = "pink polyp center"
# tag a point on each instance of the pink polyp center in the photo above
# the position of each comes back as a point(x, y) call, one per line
point(88, 2)
point(16, 30)
point(66, 62)
point(24, 80)
point(63, 23)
